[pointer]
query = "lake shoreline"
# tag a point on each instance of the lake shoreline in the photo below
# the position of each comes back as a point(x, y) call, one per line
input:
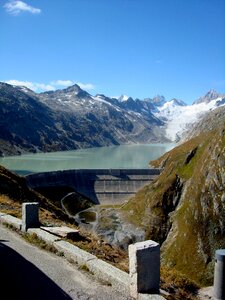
point(130, 156)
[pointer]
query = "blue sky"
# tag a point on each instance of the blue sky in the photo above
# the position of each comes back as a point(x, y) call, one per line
point(140, 48)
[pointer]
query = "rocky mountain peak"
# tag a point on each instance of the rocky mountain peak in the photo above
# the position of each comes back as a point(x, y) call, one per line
point(147, 99)
point(20, 92)
point(8, 87)
point(3, 84)
point(209, 96)
point(159, 100)
point(178, 102)
point(73, 88)
point(69, 93)
point(123, 98)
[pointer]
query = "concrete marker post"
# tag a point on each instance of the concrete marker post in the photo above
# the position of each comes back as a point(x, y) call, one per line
point(30, 217)
point(144, 265)
point(219, 275)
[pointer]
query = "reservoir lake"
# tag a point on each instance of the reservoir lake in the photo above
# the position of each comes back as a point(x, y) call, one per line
point(112, 157)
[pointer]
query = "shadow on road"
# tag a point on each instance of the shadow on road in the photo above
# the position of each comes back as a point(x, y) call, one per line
point(20, 279)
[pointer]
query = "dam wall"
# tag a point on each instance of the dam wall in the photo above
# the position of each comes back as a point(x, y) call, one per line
point(101, 186)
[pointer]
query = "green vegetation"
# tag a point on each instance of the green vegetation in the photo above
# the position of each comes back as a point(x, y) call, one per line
point(85, 269)
point(183, 209)
point(35, 240)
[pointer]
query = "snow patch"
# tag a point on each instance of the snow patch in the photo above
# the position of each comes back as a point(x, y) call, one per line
point(123, 98)
point(100, 99)
point(178, 118)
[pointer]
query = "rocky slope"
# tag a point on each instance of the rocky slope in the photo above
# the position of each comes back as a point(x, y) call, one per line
point(184, 209)
point(14, 187)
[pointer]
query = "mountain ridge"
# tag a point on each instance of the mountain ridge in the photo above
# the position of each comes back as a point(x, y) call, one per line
point(68, 119)
point(72, 118)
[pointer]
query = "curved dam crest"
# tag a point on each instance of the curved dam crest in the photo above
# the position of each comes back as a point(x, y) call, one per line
point(101, 186)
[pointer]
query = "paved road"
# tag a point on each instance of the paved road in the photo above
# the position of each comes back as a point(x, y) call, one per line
point(27, 272)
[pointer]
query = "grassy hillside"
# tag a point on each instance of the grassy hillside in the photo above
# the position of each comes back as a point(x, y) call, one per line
point(184, 209)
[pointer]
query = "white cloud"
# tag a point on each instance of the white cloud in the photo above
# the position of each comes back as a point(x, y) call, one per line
point(62, 82)
point(16, 7)
point(158, 61)
point(43, 87)
point(86, 86)
point(34, 86)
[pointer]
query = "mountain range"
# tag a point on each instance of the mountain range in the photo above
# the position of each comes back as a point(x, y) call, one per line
point(71, 118)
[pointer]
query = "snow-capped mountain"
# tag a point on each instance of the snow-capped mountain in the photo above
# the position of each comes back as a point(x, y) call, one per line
point(123, 98)
point(178, 116)
point(158, 100)
point(72, 118)
point(211, 95)
point(177, 102)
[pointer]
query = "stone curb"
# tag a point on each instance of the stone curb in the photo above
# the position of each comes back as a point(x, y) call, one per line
point(74, 253)
point(45, 236)
point(149, 297)
point(15, 222)
point(104, 271)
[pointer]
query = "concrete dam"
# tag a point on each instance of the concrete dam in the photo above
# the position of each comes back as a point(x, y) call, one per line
point(101, 186)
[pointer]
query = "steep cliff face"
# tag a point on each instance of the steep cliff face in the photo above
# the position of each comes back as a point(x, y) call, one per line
point(198, 224)
point(184, 209)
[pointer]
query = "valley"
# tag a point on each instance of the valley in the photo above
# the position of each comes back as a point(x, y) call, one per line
point(112, 119)
point(182, 209)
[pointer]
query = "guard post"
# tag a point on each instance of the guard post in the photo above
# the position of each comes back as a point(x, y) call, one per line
point(144, 265)
point(30, 216)
point(219, 275)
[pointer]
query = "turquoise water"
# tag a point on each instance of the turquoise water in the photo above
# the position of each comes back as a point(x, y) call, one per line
point(124, 156)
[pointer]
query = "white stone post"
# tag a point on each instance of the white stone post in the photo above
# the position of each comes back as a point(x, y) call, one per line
point(144, 264)
point(219, 275)
point(30, 217)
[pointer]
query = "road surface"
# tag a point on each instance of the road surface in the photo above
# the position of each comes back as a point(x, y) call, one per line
point(27, 272)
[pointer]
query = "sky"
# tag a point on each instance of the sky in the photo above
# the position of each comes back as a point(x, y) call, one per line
point(140, 48)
